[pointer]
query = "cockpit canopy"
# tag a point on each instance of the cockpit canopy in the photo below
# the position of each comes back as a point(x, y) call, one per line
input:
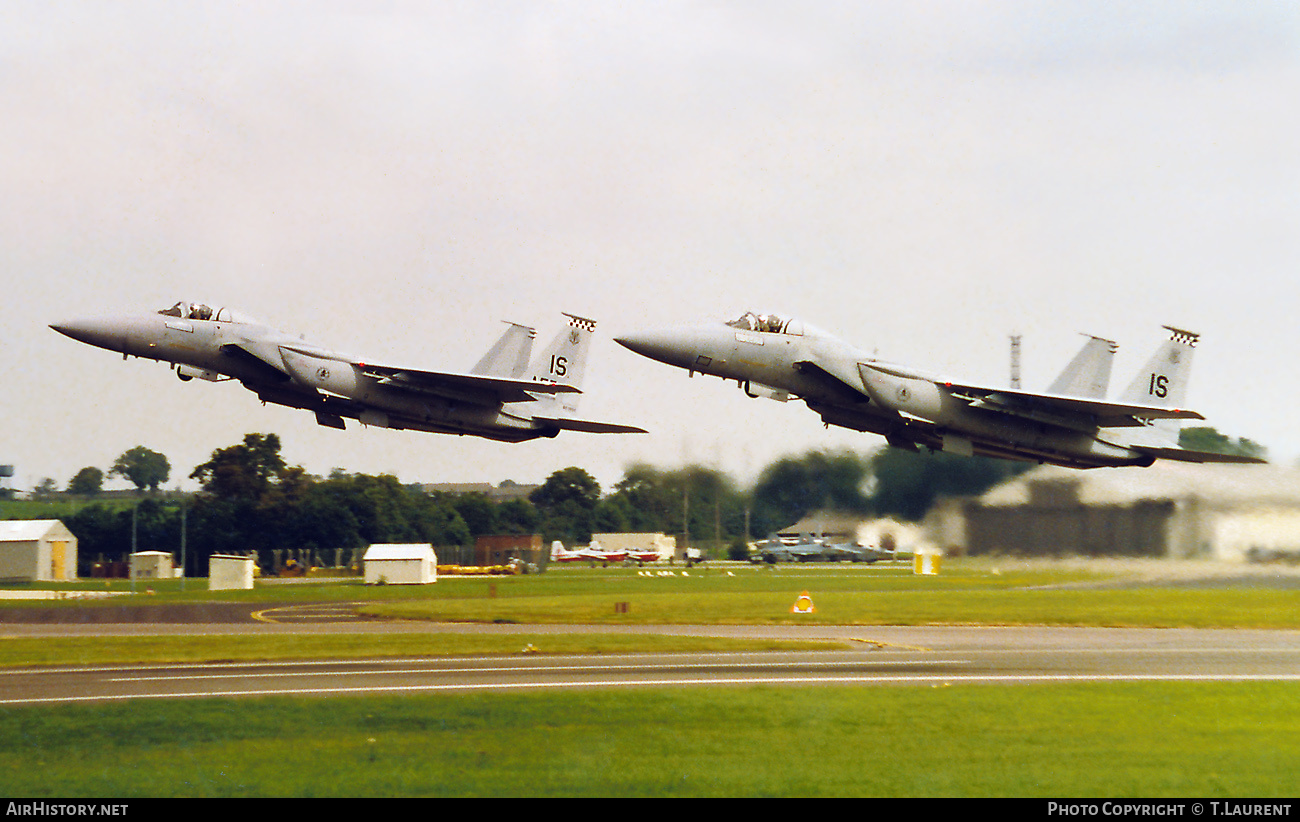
point(199, 311)
point(768, 323)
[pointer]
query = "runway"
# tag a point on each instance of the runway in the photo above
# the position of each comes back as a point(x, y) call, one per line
point(878, 656)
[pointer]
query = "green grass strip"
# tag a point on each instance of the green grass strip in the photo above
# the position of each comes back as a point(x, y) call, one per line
point(1074, 740)
point(29, 652)
point(1145, 607)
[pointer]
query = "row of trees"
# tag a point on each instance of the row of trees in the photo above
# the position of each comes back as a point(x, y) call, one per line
point(251, 500)
point(144, 468)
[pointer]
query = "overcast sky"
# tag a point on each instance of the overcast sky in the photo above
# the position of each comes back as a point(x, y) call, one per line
point(922, 178)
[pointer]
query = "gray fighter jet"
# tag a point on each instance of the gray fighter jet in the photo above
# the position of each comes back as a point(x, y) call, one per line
point(501, 398)
point(1072, 424)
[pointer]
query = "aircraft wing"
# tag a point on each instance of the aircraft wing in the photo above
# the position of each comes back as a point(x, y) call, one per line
point(1185, 455)
point(590, 426)
point(1043, 407)
point(462, 386)
point(1034, 406)
point(477, 388)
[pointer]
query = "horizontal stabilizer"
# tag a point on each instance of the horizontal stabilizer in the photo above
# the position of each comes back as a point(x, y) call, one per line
point(1184, 455)
point(589, 426)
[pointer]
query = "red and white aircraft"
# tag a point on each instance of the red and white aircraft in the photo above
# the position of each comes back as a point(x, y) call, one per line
point(641, 557)
point(592, 553)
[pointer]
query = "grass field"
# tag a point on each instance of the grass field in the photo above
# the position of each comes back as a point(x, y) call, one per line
point(971, 592)
point(57, 508)
point(967, 592)
point(26, 652)
point(1119, 740)
point(1073, 740)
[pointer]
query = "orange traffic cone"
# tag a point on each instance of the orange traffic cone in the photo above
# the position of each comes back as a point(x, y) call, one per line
point(802, 605)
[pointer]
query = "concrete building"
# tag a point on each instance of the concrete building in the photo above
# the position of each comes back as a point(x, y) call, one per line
point(1174, 510)
point(37, 550)
point(504, 492)
point(398, 564)
point(499, 549)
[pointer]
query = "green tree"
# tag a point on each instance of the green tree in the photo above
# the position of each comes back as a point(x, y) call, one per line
point(517, 516)
point(250, 501)
point(88, 481)
point(648, 500)
point(144, 468)
point(906, 483)
point(695, 498)
point(567, 485)
point(100, 531)
point(565, 503)
point(247, 471)
point(479, 512)
point(793, 487)
point(1206, 438)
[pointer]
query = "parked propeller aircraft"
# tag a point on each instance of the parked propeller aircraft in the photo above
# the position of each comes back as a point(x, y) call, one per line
point(592, 553)
point(501, 398)
point(1072, 424)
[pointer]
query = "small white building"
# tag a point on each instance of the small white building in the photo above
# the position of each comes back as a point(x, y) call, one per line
point(37, 550)
point(152, 565)
point(400, 564)
point(227, 573)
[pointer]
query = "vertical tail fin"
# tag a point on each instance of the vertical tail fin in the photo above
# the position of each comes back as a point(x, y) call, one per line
point(564, 362)
point(1088, 374)
point(508, 357)
point(1163, 381)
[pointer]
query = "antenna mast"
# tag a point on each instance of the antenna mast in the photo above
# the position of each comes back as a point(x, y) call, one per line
point(1015, 360)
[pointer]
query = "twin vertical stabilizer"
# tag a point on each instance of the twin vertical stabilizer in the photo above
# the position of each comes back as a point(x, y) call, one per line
point(1162, 382)
point(509, 356)
point(1088, 374)
point(564, 361)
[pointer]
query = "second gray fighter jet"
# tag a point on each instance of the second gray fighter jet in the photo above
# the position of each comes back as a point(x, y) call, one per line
point(1072, 424)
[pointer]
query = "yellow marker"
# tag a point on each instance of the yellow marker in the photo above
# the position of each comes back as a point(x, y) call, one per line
point(926, 564)
point(802, 605)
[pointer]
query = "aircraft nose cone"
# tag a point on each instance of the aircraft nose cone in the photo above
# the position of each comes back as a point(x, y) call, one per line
point(101, 332)
point(664, 346)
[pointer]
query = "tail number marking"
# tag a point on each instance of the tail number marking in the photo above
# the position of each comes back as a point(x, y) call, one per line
point(1159, 386)
point(560, 365)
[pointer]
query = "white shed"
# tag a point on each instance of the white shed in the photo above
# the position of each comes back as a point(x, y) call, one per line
point(227, 572)
point(399, 564)
point(151, 565)
point(37, 550)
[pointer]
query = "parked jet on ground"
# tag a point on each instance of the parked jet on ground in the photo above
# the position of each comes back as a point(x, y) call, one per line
point(1072, 424)
point(501, 398)
point(808, 548)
